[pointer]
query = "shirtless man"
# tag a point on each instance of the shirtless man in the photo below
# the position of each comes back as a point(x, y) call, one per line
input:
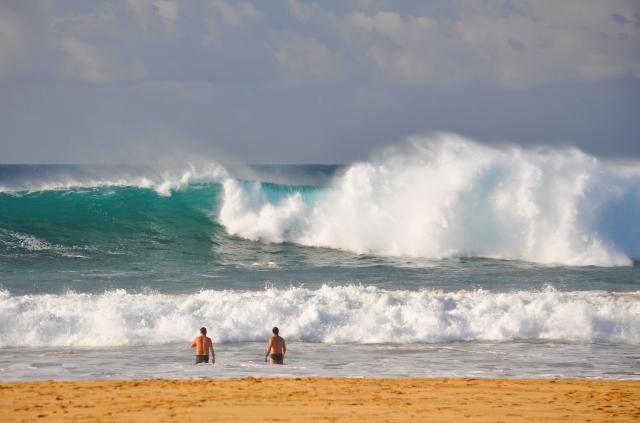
point(276, 349)
point(203, 345)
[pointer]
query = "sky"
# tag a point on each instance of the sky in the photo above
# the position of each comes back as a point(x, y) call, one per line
point(312, 81)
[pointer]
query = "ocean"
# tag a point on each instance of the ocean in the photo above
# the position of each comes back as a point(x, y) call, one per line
point(435, 259)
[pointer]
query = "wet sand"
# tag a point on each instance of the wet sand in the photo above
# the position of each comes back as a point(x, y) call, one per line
point(322, 399)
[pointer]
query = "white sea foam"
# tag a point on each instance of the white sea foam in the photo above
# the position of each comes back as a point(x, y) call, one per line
point(27, 242)
point(161, 181)
point(19, 241)
point(447, 196)
point(340, 314)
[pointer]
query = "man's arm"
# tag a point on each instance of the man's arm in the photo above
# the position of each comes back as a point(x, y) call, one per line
point(213, 353)
point(284, 347)
point(268, 349)
point(193, 344)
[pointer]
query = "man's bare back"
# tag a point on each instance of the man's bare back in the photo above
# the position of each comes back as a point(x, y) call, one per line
point(276, 349)
point(203, 345)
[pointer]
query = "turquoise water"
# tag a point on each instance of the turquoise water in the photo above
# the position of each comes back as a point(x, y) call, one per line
point(93, 239)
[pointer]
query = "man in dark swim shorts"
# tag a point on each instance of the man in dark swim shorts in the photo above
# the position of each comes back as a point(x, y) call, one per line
point(203, 345)
point(277, 358)
point(202, 359)
point(276, 349)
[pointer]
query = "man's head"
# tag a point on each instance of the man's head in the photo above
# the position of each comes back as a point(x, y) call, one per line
point(275, 330)
point(203, 330)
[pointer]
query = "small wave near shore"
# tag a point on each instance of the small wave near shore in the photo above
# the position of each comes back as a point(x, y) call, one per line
point(331, 314)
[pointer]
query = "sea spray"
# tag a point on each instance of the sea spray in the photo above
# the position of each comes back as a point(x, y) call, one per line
point(450, 197)
point(330, 314)
point(163, 179)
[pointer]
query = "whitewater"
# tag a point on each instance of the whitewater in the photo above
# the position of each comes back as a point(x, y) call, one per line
point(452, 197)
point(437, 257)
point(340, 314)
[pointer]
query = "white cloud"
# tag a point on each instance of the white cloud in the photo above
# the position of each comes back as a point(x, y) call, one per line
point(413, 49)
point(143, 13)
point(101, 21)
point(193, 91)
point(373, 4)
point(514, 43)
point(224, 16)
point(518, 43)
point(168, 11)
point(304, 59)
point(297, 10)
point(154, 16)
point(553, 41)
point(89, 63)
point(303, 11)
point(10, 40)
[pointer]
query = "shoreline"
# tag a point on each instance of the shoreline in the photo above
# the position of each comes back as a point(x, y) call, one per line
point(327, 399)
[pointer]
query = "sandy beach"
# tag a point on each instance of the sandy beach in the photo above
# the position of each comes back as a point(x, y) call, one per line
point(322, 399)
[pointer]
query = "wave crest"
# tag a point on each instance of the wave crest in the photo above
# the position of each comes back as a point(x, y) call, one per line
point(60, 177)
point(448, 196)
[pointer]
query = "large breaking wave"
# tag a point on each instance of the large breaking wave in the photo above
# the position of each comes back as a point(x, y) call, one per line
point(447, 196)
point(339, 314)
point(436, 197)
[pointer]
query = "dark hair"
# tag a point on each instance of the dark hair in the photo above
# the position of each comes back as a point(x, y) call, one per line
point(203, 330)
point(275, 330)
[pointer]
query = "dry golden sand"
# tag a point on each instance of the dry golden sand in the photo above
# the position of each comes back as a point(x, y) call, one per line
point(322, 399)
